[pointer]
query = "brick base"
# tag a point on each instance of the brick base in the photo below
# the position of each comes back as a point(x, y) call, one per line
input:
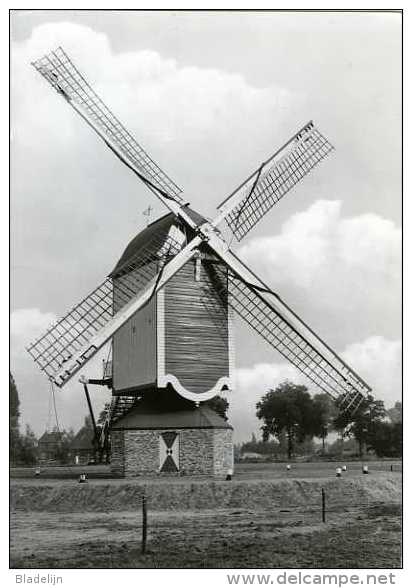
point(201, 452)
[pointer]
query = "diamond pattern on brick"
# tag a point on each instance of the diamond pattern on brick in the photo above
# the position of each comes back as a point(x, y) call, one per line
point(169, 452)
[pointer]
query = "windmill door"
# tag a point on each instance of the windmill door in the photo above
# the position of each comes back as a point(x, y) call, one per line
point(169, 451)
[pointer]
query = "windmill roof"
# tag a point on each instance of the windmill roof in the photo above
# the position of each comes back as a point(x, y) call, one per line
point(195, 216)
point(52, 437)
point(160, 225)
point(83, 439)
point(153, 415)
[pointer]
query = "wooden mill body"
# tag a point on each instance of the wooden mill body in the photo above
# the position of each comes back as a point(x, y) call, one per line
point(184, 335)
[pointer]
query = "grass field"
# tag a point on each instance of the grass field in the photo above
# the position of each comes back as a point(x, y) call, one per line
point(264, 518)
point(243, 471)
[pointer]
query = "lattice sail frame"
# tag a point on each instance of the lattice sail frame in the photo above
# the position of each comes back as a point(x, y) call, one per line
point(243, 209)
point(284, 332)
point(65, 78)
point(68, 336)
point(247, 205)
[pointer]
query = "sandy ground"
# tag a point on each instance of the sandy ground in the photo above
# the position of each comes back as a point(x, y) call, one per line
point(355, 538)
point(264, 518)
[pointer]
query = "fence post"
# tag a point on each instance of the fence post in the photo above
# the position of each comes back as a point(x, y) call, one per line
point(144, 524)
point(391, 468)
point(323, 506)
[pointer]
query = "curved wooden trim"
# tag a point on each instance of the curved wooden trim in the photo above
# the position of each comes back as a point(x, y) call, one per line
point(195, 396)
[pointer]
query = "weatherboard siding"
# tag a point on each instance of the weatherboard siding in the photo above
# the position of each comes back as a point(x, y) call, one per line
point(134, 350)
point(127, 285)
point(183, 332)
point(195, 330)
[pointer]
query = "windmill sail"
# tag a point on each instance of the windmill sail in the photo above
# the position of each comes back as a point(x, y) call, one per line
point(69, 344)
point(73, 340)
point(243, 209)
point(267, 314)
point(330, 375)
point(64, 77)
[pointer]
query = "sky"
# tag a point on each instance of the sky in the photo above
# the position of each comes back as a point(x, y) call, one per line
point(210, 96)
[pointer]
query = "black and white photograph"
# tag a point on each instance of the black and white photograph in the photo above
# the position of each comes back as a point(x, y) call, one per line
point(206, 292)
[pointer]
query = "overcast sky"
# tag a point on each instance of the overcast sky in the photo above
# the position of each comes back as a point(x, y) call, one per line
point(210, 96)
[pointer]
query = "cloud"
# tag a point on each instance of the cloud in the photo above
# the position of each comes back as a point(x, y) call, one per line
point(251, 383)
point(28, 323)
point(319, 238)
point(345, 267)
point(379, 361)
point(64, 176)
point(75, 206)
point(178, 109)
point(376, 359)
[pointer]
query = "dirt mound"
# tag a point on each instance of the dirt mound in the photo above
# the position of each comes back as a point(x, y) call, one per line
point(200, 495)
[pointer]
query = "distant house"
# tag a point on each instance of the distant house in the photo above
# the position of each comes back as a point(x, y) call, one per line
point(49, 447)
point(82, 448)
point(251, 455)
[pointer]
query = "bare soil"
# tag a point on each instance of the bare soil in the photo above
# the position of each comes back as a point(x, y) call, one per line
point(357, 538)
point(257, 522)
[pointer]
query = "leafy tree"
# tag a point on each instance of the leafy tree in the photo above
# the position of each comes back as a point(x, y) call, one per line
point(103, 414)
point(262, 447)
point(349, 445)
point(395, 413)
point(387, 439)
point(88, 424)
point(324, 413)
point(363, 423)
point(219, 405)
point(305, 447)
point(237, 451)
point(28, 447)
point(289, 409)
point(63, 452)
point(14, 415)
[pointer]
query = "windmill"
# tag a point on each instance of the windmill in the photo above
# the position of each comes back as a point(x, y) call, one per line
point(168, 304)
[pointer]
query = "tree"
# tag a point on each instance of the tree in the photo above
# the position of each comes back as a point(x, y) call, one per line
point(387, 439)
point(103, 450)
point(262, 447)
point(219, 405)
point(395, 413)
point(101, 419)
point(324, 413)
point(363, 423)
point(88, 424)
point(14, 415)
point(63, 452)
point(28, 447)
point(289, 409)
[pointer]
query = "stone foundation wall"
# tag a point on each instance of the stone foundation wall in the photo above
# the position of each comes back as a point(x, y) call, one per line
point(196, 451)
point(223, 459)
point(141, 453)
point(117, 453)
point(201, 452)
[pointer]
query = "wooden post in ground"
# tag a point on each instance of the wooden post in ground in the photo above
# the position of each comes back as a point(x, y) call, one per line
point(144, 524)
point(323, 506)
